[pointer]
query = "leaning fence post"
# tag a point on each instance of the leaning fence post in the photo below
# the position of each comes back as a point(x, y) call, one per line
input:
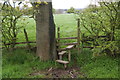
point(26, 37)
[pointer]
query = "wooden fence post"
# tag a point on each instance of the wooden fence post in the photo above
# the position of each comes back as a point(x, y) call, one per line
point(58, 35)
point(26, 37)
point(78, 40)
point(69, 55)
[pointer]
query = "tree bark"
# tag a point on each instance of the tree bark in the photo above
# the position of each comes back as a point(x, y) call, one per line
point(45, 33)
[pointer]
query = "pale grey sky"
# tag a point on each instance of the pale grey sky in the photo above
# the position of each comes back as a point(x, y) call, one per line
point(66, 4)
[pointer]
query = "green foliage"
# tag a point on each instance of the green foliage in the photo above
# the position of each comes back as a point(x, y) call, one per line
point(11, 15)
point(102, 21)
point(53, 10)
point(99, 67)
point(71, 10)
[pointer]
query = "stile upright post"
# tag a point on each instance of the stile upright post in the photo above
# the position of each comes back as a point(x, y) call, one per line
point(58, 34)
point(78, 39)
point(69, 55)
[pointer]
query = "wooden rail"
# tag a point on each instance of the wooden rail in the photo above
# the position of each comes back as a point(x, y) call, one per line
point(88, 47)
point(19, 43)
point(66, 49)
point(67, 38)
point(85, 47)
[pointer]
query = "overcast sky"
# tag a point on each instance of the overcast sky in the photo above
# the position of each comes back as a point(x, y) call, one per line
point(66, 4)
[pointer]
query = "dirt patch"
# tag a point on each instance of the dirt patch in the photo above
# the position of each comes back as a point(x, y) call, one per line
point(72, 72)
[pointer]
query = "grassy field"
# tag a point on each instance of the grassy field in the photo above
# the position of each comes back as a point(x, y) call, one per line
point(66, 22)
point(20, 63)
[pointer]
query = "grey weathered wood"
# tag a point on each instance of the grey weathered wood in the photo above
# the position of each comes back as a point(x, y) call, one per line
point(60, 57)
point(67, 48)
point(65, 65)
point(70, 46)
point(62, 52)
point(69, 55)
point(63, 62)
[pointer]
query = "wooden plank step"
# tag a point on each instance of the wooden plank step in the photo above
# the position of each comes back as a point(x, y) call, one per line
point(67, 48)
point(70, 46)
point(63, 62)
point(62, 52)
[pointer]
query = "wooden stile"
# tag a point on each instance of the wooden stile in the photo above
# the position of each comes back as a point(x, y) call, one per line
point(70, 45)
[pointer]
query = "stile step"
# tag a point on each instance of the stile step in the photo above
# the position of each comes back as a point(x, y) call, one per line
point(62, 52)
point(70, 46)
point(63, 62)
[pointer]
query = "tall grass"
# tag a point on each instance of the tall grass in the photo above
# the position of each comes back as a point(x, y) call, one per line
point(20, 63)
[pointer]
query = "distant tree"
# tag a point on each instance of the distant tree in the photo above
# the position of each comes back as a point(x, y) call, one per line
point(91, 6)
point(71, 10)
point(53, 10)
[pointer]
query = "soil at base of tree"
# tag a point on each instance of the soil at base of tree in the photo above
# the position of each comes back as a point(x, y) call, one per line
point(70, 72)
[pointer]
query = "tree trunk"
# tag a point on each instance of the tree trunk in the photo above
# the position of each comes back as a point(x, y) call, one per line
point(45, 32)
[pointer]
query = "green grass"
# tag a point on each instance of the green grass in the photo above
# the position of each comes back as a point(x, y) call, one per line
point(30, 28)
point(0, 64)
point(98, 67)
point(20, 63)
point(67, 24)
